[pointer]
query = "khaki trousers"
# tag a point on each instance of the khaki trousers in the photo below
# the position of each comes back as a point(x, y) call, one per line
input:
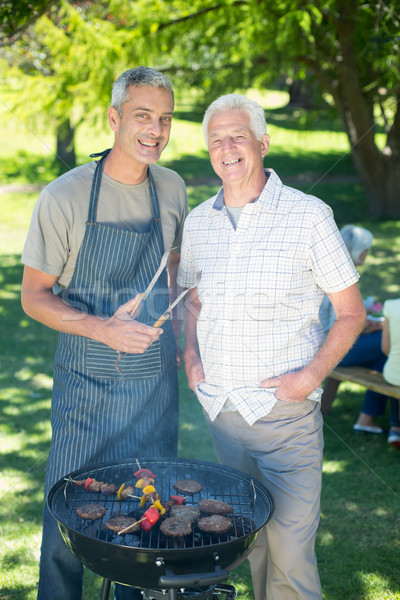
point(283, 450)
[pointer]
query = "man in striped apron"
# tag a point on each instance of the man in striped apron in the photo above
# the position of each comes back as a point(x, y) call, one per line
point(96, 239)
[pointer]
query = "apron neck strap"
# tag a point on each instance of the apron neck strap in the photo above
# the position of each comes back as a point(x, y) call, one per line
point(155, 207)
point(96, 183)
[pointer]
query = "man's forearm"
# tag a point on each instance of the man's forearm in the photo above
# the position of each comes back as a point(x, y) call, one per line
point(120, 331)
point(340, 339)
point(192, 310)
point(52, 311)
point(193, 364)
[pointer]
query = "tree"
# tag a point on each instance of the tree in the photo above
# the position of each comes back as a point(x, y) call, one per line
point(63, 65)
point(351, 46)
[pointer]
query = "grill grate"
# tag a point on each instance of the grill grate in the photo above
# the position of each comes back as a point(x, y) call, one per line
point(236, 491)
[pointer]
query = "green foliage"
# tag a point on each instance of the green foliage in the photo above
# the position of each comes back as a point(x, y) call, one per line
point(70, 59)
point(228, 45)
point(348, 48)
point(351, 47)
point(15, 16)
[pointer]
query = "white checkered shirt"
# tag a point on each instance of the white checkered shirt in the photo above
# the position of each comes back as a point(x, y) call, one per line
point(260, 291)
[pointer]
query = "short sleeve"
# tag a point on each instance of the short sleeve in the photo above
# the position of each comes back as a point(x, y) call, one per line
point(187, 271)
point(46, 244)
point(332, 265)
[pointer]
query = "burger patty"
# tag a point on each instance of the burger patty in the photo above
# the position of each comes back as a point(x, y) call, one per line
point(215, 507)
point(192, 513)
point(187, 486)
point(117, 524)
point(214, 524)
point(176, 526)
point(91, 511)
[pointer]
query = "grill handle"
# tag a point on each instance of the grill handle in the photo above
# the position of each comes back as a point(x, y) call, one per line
point(169, 580)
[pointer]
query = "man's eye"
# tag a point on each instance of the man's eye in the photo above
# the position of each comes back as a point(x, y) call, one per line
point(167, 119)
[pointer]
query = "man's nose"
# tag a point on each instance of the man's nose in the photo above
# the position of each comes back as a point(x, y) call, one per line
point(227, 143)
point(154, 128)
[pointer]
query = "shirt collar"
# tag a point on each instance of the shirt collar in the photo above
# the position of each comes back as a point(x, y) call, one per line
point(268, 198)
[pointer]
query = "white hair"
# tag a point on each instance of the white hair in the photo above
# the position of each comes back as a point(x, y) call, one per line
point(237, 102)
point(357, 240)
point(138, 77)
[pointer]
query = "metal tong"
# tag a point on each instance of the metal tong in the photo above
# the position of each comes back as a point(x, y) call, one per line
point(142, 297)
point(168, 312)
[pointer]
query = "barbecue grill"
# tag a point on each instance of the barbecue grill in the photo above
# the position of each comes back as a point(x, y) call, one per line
point(155, 563)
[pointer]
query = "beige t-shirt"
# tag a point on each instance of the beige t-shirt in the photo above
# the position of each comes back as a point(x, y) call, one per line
point(59, 218)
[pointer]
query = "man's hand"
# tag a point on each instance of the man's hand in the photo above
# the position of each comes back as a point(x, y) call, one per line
point(291, 387)
point(124, 334)
point(372, 326)
point(194, 369)
point(120, 332)
point(350, 319)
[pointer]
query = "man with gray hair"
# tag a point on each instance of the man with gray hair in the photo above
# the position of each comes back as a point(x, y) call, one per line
point(253, 353)
point(96, 239)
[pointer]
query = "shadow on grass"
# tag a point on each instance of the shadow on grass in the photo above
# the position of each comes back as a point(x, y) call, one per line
point(26, 343)
point(286, 117)
point(25, 378)
point(359, 505)
point(18, 592)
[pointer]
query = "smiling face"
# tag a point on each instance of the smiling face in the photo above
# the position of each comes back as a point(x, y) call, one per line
point(142, 131)
point(235, 153)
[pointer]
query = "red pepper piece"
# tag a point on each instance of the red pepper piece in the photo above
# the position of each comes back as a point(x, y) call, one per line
point(145, 525)
point(144, 473)
point(151, 515)
point(177, 499)
point(87, 483)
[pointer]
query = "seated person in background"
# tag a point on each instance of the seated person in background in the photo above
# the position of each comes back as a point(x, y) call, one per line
point(391, 347)
point(367, 350)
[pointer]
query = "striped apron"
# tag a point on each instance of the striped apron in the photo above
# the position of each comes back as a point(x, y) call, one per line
point(99, 414)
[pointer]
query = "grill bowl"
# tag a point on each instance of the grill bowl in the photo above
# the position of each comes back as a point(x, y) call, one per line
point(141, 559)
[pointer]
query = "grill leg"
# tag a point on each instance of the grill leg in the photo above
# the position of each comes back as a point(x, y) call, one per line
point(105, 589)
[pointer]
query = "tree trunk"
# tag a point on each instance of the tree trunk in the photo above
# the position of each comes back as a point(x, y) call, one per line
point(379, 171)
point(381, 180)
point(66, 157)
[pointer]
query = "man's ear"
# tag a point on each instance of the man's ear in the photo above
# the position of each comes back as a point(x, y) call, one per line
point(264, 144)
point(113, 118)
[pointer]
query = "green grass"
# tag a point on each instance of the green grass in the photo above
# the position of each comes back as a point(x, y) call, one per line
point(358, 539)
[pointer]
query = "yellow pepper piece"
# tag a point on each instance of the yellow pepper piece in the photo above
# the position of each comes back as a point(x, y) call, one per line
point(149, 489)
point(141, 483)
point(143, 501)
point(159, 507)
point(119, 491)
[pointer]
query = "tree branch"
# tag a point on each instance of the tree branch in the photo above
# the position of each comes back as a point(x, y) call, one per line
point(15, 34)
point(199, 13)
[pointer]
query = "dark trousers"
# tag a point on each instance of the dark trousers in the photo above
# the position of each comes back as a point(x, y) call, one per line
point(58, 559)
